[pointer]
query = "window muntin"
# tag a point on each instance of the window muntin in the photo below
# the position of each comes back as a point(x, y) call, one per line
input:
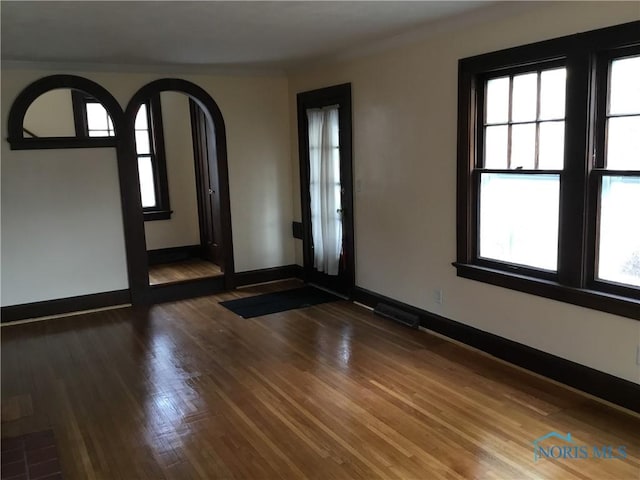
point(524, 120)
point(99, 122)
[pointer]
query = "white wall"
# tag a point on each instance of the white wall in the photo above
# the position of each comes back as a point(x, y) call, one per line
point(404, 134)
point(53, 248)
point(51, 115)
point(182, 228)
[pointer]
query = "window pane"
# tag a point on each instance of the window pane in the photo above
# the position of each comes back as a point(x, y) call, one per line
point(495, 147)
point(623, 143)
point(551, 146)
point(624, 92)
point(619, 248)
point(523, 146)
point(519, 219)
point(525, 92)
point(96, 117)
point(99, 133)
point(552, 93)
point(147, 188)
point(141, 118)
point(498, 100)
point(142, 142)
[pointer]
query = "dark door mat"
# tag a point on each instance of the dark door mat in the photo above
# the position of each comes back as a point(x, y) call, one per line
point(279, 301)
point(30, 457)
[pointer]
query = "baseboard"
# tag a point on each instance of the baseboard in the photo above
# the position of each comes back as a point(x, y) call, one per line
point(607, 387)
point(173, 254)
point(267, 275)
point(64, 305)
point(197, 287)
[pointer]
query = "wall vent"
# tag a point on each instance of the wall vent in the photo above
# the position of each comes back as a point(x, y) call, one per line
point(409, 319)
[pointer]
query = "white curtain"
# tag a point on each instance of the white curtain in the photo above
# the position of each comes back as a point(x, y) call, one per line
point(325, 188)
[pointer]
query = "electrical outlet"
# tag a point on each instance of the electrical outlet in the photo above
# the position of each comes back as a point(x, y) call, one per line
point(437, 296)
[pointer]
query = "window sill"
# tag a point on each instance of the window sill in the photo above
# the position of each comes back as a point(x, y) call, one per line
point(596, 300)
point(153, 215)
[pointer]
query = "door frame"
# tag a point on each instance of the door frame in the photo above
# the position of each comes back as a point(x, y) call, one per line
point(203, 159)
point(340, 95)
point(141, 291)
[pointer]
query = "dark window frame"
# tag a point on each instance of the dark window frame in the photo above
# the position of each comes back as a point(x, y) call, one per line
point(79, 101)
point(586, 57)
point(162, 209)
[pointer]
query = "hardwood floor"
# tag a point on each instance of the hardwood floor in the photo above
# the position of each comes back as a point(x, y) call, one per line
point(184, 270)
point(188, 390)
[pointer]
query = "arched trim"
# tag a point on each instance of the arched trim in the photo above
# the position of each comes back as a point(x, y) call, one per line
point(24, 100)
point(141, 268)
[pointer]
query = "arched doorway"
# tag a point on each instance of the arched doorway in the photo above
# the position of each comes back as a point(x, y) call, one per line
point(148, 186)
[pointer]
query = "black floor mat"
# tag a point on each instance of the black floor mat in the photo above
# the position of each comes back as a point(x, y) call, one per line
point(279, 301)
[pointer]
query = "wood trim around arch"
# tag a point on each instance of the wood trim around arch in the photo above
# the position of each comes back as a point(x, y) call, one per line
point(141, 291)
point(29, 94)
point(129, 196)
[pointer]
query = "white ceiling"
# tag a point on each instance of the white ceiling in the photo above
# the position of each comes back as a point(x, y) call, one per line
point(223, 34)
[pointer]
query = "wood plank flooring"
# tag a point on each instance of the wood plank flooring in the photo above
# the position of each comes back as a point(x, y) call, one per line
point(188, 390)
point(184, 270)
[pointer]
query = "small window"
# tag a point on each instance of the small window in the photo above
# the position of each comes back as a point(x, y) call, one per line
point(92, 120)
point(90, 117)
point(152, 170)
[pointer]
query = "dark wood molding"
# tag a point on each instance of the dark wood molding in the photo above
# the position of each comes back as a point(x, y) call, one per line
point(52, 143)
point(23, 101)
point(173, 254)
point(152, 215)
point(174, 291)
point(340, 95)
point(608, 387)
point(267, 275)
point(596, 300)
point(64, 305)
point(141, 291)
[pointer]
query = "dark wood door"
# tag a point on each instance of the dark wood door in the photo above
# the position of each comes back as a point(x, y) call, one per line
point(206, 184)
point(340, 96)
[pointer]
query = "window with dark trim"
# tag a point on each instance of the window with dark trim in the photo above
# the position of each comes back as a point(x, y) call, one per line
point(92, 120)
point(152, 168)
point(549, 169)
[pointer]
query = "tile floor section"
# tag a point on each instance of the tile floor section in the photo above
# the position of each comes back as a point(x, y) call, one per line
point(30, 457)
